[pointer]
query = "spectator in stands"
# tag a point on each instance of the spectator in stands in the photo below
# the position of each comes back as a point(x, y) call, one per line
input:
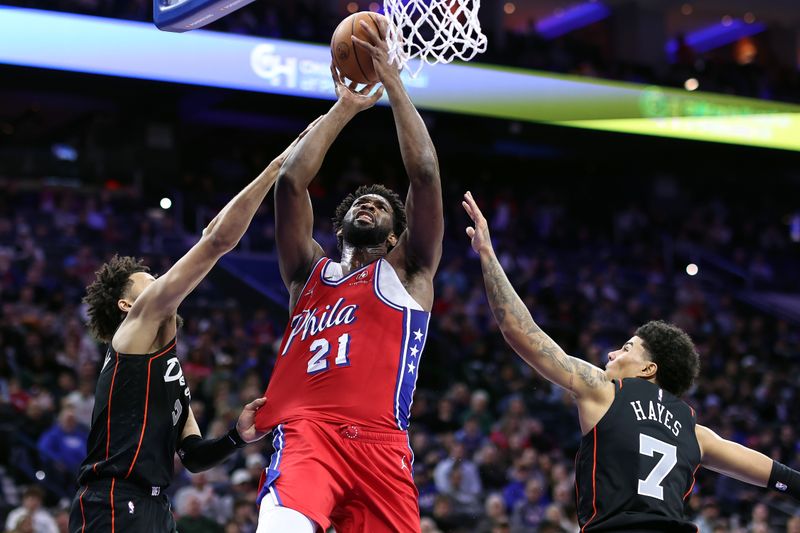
point(427, 525)
point(469, 481)
point(445, 515)
point(529, 513)
point(82, 400)
point(759, 519)
point(709, 516)
point(64, 444)
point(495, 514)
point(193, 518)
point(200, 492)
point(30, 516)
point(464, 503)
point(471, 435)
point(245, 516)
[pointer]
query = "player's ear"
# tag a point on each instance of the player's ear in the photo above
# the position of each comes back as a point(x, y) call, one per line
point(391, 240)
point(648, 370)
point(124, 305)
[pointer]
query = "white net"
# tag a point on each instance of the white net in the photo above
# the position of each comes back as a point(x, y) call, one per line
point(433, 31)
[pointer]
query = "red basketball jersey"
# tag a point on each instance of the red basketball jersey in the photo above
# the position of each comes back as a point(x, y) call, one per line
point(351, 351)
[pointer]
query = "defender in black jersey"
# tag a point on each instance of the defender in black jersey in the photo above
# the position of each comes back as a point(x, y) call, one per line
point(641, 446)
point(142, 412)
point(615, 491)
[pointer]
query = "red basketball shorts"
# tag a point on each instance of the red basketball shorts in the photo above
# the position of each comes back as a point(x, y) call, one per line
point(355, 479)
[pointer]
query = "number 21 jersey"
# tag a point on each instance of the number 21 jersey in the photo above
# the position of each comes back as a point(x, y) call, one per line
point(351, 351)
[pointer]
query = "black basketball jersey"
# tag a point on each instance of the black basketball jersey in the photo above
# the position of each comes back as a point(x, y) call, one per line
point(140, 407)
point(635, 469)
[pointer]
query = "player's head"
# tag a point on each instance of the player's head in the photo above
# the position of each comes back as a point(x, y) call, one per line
point(658, 351)
point(110, 296)
point(372, 216)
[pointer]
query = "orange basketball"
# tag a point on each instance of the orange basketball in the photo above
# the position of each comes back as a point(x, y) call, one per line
point(354, 63)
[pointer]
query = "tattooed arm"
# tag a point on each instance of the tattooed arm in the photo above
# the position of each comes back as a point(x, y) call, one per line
point(584, 380)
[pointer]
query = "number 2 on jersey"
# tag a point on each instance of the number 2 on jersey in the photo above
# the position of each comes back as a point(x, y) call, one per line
point(320, 348)
point(651, 485)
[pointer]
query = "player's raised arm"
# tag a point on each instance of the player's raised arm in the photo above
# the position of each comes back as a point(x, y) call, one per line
point(581, 378)
point(742, 463)
point(422, 241)
point(161, 298)
point(294, 218)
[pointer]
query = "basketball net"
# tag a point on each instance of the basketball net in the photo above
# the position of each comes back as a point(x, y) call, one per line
point(433, 31)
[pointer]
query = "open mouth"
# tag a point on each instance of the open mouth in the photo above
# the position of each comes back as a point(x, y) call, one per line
point(365, 215)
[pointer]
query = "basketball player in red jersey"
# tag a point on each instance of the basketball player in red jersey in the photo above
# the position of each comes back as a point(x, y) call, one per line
point(340, 394)
point(142, 412)
point(641, 446)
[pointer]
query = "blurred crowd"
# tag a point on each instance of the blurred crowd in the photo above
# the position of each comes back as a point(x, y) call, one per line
point(494, 444)
point(745, 68)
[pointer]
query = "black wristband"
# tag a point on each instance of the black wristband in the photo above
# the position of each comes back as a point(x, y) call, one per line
point(237, 439)
point(784, 479)
point(198, 454)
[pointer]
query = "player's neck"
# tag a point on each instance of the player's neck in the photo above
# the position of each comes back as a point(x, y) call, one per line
point(354, 258)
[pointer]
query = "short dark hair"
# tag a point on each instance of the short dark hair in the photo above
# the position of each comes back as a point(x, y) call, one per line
point(398, 208)
point(673, 351)
point(35, 491)
point(109, 285)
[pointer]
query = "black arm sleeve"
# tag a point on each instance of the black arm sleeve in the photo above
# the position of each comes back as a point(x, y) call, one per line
point(198, 454)
point(784, 479)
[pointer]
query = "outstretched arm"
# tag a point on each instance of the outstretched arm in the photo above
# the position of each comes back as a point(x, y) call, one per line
point(581, 378)
point(422, 242)
point(732, 459)
point(294, 218)
point(736, 461)
point(161, 299)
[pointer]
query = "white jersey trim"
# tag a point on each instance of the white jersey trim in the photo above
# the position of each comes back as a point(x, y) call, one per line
point(336, 275)
point(388, 286)
point(390, 289)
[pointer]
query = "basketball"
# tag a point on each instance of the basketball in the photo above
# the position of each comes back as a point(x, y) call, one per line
point(354, 64)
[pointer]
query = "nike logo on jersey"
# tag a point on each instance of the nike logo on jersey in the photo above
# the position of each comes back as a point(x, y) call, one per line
point(105, 363)
point(311, 322)
point(310, 291)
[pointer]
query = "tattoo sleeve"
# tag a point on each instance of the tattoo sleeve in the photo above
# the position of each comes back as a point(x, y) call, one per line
point(527, 338)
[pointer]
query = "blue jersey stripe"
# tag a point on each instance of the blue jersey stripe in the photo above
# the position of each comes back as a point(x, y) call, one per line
point(273, 470)
point(401, 367)
point(415, 334)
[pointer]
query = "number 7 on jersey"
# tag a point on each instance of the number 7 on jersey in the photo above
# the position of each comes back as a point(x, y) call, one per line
point(651, 485)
